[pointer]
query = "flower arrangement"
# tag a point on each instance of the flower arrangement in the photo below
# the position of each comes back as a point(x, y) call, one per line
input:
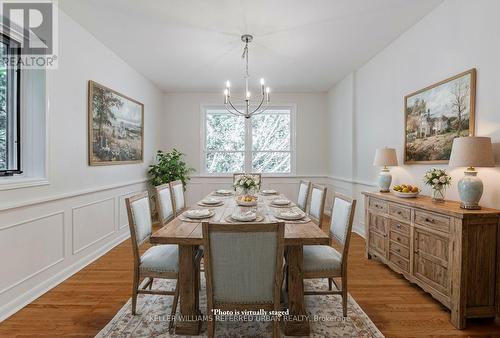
point(438, 180)
point(246, 183)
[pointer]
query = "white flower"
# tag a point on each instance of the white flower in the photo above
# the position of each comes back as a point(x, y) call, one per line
point(429, 175)
point(443, 179)
point(435, 181)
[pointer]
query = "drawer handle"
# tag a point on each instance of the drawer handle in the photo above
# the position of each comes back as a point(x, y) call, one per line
point(399, 213)
point(398, 239)
point(429, 220)
point(398, 226)
point(398, 250)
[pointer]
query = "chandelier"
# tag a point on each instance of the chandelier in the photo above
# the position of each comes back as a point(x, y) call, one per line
point(249, 108)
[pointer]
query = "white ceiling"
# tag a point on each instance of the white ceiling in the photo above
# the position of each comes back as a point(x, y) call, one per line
point(194, 45)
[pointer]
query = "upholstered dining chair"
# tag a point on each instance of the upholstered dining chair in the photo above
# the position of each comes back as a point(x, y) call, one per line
point(316, 209)
point(179, 197)
point(243, 268)
point(164, 203)
point(238, 175)
point(304, 188)
point(161, 261)
point(323, 261)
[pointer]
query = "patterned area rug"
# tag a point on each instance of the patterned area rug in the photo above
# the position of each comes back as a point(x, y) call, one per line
point(325, 317)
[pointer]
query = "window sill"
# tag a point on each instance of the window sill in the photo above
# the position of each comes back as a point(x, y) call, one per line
point(17, 182)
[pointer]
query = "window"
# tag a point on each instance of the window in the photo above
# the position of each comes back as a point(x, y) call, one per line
point(10, 131)
point(263, 143)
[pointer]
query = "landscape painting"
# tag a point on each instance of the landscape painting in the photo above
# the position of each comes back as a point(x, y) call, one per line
point(116, 127)
point(436, 115)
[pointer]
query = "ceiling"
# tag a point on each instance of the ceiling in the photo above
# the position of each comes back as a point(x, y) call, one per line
point(194, 45)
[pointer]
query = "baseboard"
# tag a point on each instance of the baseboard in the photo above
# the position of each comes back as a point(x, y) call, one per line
point(359, 228)
point(18, 303)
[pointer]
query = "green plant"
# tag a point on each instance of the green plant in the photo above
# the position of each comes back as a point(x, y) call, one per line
point(169, 167)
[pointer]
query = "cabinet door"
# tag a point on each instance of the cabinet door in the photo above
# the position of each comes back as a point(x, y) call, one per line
point(431, 259)
point(378, 229)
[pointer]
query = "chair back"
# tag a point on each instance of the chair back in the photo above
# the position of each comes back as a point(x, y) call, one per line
point(304, 188)
point(317, 205)
point(179, 197)
point(343, 210)
point(243, 263)
point(139, 221)
point(257, 176)
point(164, 203)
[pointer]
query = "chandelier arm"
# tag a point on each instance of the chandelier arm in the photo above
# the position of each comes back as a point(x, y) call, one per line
point(260, 105)
point(237, 113)
point(266, 106)
point(231, 104)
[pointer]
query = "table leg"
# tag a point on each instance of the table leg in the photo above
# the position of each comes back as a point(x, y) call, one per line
point(297, 324)
point(188, 292)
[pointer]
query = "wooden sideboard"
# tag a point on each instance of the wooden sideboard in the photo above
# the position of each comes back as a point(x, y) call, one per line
point(451, 253)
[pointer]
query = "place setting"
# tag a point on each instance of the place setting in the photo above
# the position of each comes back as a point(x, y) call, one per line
point(268, 192)
point(223, 193)
point(281, 202)
point(196, 215)
point(244, 216)
point(292, 216)
point(211, 202)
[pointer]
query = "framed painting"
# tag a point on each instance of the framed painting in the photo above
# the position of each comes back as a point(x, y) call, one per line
point(116, 127)
point(436, 115)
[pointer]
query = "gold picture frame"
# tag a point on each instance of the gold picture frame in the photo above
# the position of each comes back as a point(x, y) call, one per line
point(429, 132)
point(117, 135)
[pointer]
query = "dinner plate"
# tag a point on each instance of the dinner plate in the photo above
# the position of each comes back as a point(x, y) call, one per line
point(211, 201)
point(290, 215)
point(199, 213)
point(223, 192)
point(201, 204)
point(269, 192)
point(281, 202)
point(258, 218)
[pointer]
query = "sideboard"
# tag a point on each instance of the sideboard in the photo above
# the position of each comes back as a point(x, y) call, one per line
point(451, 253)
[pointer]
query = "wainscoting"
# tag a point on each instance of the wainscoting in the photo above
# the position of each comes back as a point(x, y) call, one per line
point(44, 242)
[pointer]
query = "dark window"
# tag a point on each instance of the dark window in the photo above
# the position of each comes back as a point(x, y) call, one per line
point(10, 130)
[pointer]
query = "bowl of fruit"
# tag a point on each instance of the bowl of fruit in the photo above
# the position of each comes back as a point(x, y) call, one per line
point(246, 201)
point(406, 191)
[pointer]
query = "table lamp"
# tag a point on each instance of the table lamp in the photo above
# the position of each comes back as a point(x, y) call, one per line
point(471, 152)
point(383, 158)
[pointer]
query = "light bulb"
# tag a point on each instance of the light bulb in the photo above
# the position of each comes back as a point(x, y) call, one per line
point(262, 82)
point(268, 90)
point(228, 84)
point(248, 95)
point(226, 92)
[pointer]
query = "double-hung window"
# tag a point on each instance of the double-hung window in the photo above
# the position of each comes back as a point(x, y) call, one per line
point(10, 130)
point(262, 144)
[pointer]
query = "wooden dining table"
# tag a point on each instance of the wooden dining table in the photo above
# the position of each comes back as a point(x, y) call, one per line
point(187, 234)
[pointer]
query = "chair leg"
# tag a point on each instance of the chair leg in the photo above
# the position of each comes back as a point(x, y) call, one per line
point(135, 287)
point(276, 329)
point(211, 328)
point(174, 307)
point(344, 296)
point(151, 283)
point(330, 286)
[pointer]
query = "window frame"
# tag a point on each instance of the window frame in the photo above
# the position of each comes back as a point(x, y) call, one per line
point(248, 152)
point(13, 102)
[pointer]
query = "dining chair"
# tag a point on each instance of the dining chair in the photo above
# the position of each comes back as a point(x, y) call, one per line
point(256, 175)
point(324, 261)
point(164, 203)
point(304, 188)
point(316, 209)
point(243, 268)
point(178, 196)
point(160, 261)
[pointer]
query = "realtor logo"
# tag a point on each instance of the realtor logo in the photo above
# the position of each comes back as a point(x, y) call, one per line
point(32, 27)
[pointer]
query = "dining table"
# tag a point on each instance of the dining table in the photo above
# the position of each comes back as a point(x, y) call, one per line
point(187, 234)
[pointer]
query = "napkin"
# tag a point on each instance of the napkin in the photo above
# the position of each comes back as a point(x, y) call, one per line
point(198, 213)
point(281, 201)
point(211, 201)
point(224, 191)
point(244, 216)
point(269, 191)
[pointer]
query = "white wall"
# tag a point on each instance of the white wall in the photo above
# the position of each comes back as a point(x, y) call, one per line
point(456, 36)
point(49, 232)
point(183, 122)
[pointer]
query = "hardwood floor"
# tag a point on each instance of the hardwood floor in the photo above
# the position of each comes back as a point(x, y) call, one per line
point(82, 305)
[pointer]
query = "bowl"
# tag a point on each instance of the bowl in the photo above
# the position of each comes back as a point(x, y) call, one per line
point(406, 194)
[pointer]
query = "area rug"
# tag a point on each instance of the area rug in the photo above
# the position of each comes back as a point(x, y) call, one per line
point(325, 317)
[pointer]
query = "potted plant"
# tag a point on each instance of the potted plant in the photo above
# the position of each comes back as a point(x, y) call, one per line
point(438, 180)
point(169, 167)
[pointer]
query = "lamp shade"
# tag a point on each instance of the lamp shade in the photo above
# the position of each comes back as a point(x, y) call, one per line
point(472, 151)
point(385, 157)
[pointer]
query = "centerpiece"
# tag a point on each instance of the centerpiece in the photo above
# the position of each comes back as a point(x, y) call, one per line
point(246, 187)
point(438, 180)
